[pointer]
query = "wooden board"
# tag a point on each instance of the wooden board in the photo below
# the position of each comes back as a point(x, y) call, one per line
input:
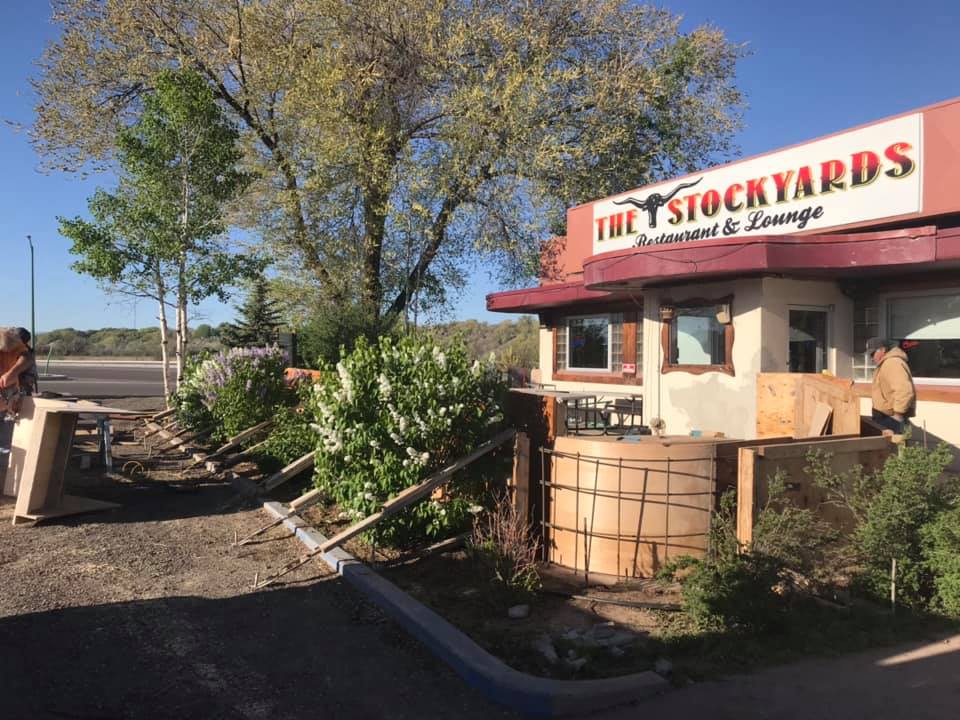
point(787, 402)
point(42, 438)
point(520, 482)
point(758, 464)
point(821, 418)
point(292, 470)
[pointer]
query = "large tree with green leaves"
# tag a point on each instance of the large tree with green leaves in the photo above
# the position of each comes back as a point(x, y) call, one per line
point(163, 229)
point(400, 142)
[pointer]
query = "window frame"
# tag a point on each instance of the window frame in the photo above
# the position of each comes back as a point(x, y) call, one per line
point(609, 320)
point(883, 318)
point(666, 326)
point(631, 323)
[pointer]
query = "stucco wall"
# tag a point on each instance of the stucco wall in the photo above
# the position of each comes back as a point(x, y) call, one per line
point(712, 401)
point(779, 294)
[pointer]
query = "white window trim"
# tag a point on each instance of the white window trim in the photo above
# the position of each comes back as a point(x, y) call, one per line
point(884, 327)
point(599, 371)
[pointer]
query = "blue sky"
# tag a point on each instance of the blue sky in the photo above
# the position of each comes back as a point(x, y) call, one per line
point(815, 68)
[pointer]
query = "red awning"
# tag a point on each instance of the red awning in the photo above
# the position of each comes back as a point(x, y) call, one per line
point(837, 255)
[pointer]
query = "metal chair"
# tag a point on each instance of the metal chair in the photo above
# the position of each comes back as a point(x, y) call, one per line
point(583, 417)
point(623, 414)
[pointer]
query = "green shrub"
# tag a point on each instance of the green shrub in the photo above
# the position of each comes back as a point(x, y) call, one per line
point(391, 414)
point(333, 330)
point(749, 588)
point(232, 390)
point(891, 507)
point(741, 594)
point(941, 548)
point(675, 567)
point(292, 435)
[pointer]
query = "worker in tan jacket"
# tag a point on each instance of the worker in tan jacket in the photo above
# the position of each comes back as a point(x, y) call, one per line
point(893, 393)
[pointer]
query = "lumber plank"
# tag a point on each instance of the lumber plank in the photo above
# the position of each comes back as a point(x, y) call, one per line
point(800, 449)
point(233, 442)
point(291, 470)
point(521, 475)
point(414, 493)
point(821, 417)
point(746, 494)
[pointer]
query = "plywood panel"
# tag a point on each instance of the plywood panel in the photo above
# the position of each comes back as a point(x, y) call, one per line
point(777, 400)
point(758, 465)
point(786, 403)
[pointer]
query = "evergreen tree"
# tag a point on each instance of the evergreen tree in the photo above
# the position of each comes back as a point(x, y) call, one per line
point(259, 319)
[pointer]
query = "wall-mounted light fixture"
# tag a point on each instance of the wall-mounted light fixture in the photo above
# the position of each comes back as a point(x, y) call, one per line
point(666, 313)
point(723, 314)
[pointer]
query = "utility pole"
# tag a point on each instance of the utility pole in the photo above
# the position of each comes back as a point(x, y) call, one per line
point(33, 313)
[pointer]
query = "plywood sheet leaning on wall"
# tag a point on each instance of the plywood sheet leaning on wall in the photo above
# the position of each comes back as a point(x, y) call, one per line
point(622, 509)
point(787, 404)
point(758, 464)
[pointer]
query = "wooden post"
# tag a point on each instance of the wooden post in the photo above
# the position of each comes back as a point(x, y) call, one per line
point(521, 475)
point(746, 494)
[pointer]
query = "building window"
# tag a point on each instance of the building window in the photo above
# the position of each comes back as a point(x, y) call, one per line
point(697, 336)
point(592, 342)
point(595, 347)
point(866, 324)
point(928, 329)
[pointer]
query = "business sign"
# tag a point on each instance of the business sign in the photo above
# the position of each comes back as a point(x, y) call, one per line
point(857, 176)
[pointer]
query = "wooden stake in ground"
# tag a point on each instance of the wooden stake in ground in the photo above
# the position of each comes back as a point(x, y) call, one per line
point(295, 508)
point(393, 506)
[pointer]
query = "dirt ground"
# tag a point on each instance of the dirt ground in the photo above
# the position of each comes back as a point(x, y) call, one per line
point(148, 612)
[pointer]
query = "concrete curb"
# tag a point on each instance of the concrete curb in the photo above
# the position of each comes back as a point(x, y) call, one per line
point(540, 697)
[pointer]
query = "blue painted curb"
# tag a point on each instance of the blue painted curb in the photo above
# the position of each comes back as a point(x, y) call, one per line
point(531, 695)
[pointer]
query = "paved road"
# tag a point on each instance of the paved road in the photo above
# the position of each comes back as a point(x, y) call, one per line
point(105, 379)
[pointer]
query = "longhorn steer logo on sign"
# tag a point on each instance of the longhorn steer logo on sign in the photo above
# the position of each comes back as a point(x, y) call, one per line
point(654, 201)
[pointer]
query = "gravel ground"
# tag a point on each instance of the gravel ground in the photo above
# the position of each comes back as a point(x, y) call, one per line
point(148, 612)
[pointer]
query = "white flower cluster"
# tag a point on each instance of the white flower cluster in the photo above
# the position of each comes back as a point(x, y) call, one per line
point(345, 394)
point(385, 387)
point(416, 458)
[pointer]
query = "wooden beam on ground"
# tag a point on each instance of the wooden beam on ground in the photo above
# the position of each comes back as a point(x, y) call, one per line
point(153, 428)
point(392, 507)
point(291, 470)
point(162, 414)
point(181, 439)
point(233, 442)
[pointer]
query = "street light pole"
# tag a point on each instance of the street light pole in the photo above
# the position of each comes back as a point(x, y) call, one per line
point(33, 314)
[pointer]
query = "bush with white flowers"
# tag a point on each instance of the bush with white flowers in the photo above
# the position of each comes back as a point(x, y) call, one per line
point(389, 415)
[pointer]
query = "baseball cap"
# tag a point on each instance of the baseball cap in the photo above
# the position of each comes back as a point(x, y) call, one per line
point(876, 343)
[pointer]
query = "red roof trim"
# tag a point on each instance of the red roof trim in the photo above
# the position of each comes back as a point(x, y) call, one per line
point(546, 296)
point(608, 275)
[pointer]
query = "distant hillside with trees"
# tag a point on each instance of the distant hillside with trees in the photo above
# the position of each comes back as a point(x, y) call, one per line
point(514, 342)
point(143, 343)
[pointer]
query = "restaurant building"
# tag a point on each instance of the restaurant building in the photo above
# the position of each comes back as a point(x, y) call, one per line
point(685, 291)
